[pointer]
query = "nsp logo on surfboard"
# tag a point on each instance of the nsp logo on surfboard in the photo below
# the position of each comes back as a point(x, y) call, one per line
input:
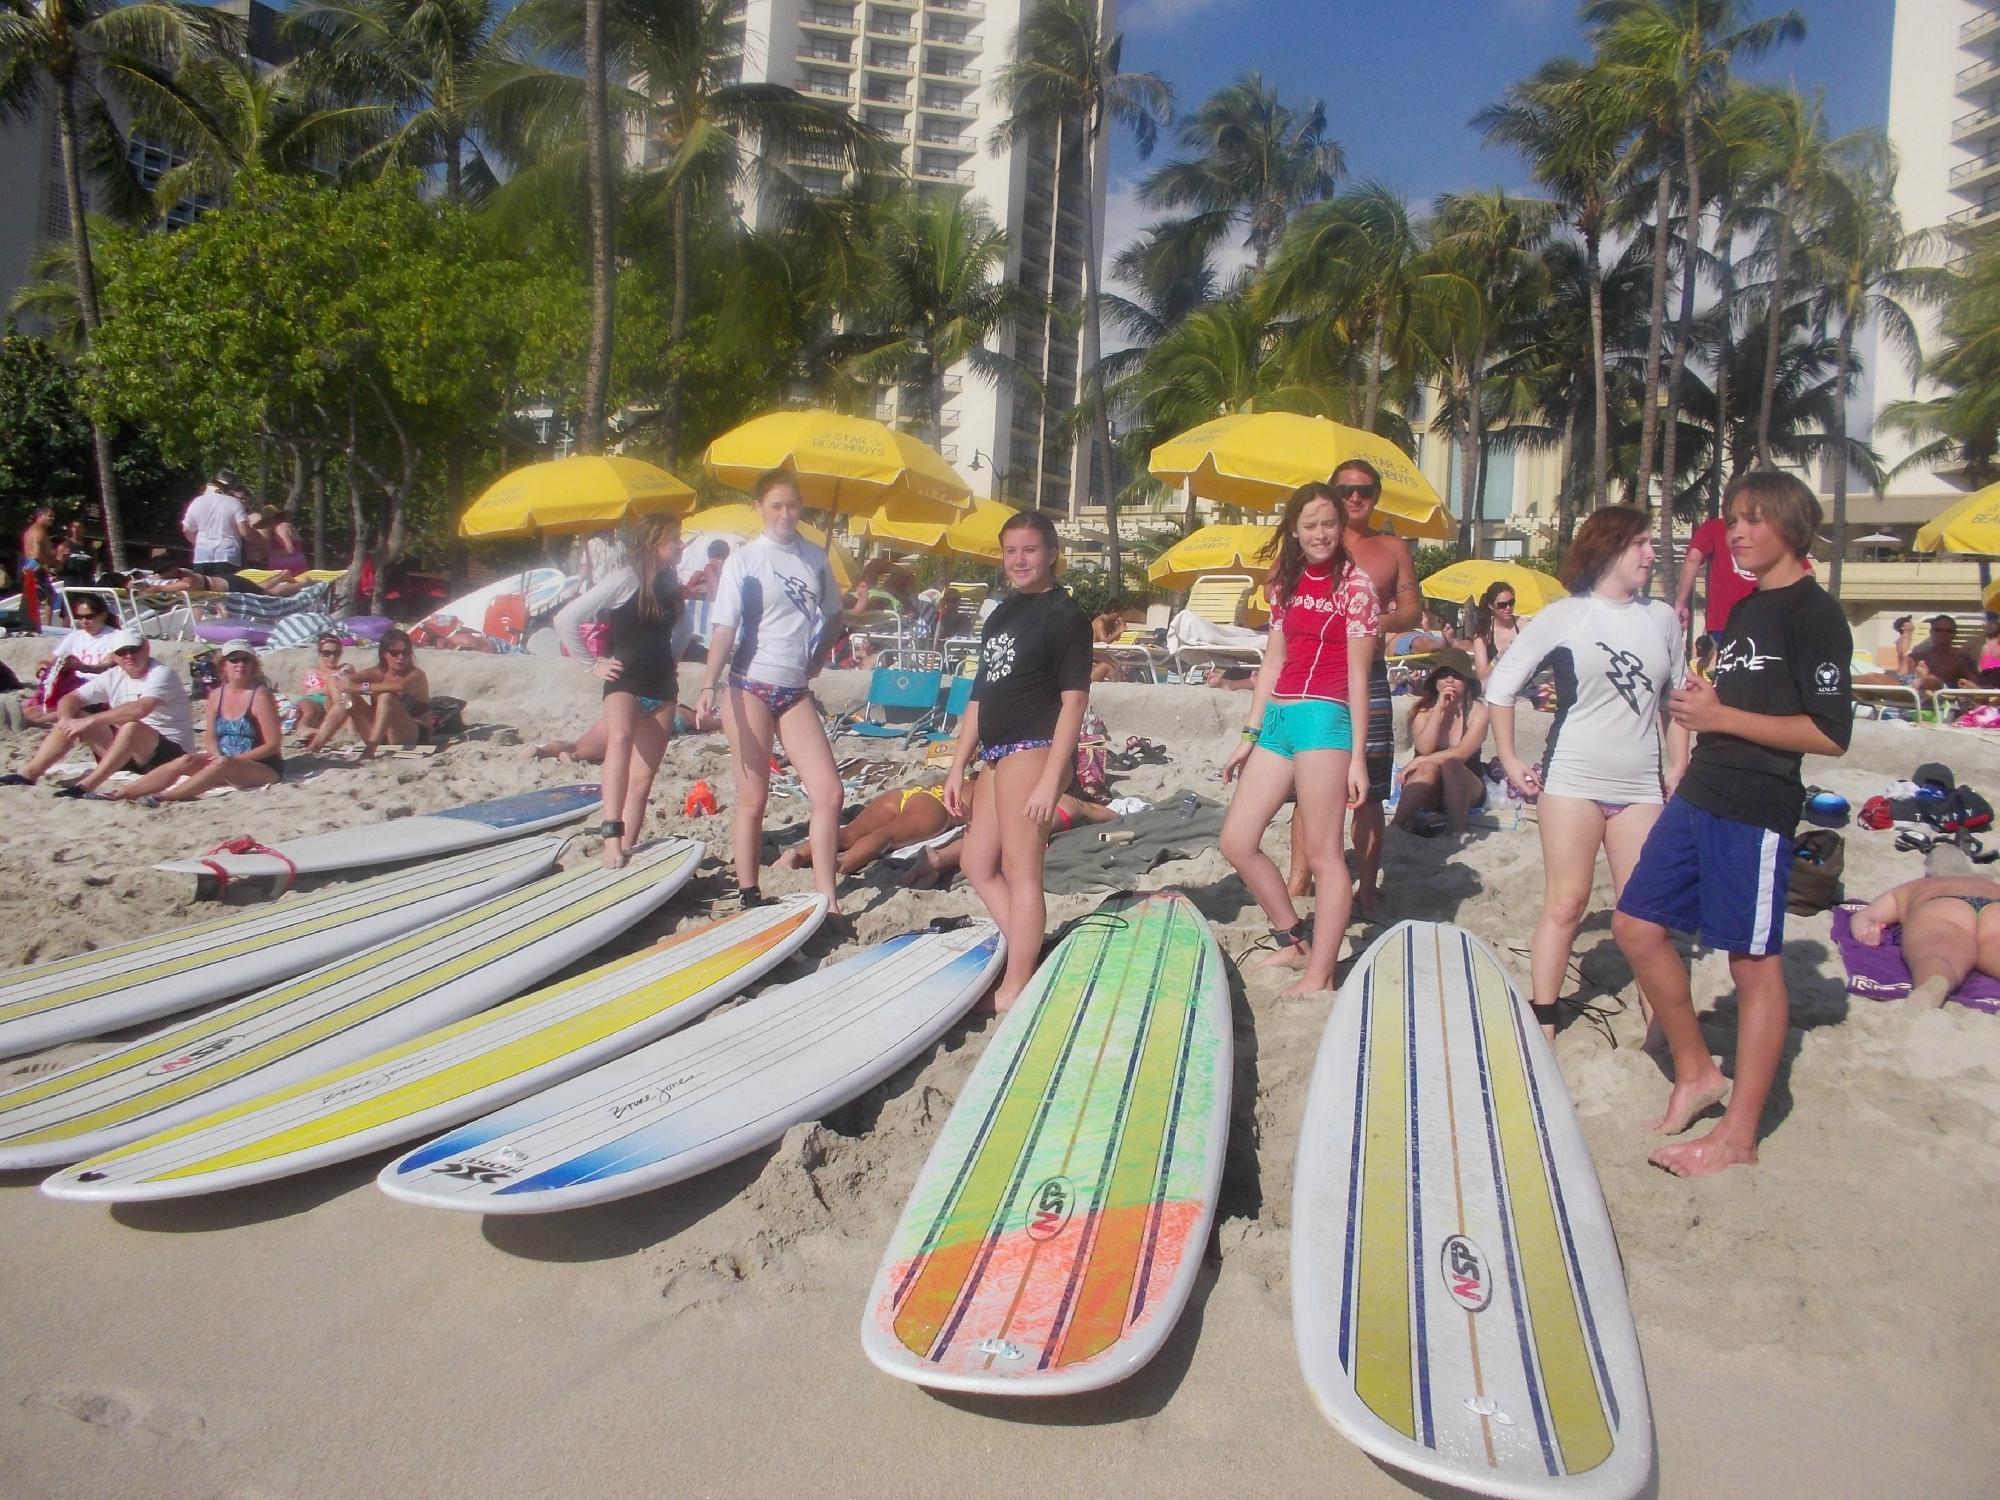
point(1464, 1272)
point(1053, 1202)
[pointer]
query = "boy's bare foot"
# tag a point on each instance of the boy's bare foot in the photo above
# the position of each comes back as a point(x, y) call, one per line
point(1307, 988)
point(615, 855)
point(1931, 993)
point(1003, 1000)
point(1703, 1158)
point(1293, 957)
point(1688, 1100)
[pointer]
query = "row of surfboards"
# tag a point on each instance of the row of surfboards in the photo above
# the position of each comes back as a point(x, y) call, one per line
point(1459, 1307)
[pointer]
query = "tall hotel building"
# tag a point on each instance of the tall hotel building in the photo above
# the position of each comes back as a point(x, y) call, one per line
point(1947, 144)
point(923, 73)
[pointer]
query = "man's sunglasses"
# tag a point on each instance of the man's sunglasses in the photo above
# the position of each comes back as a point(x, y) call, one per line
point(1349, 491)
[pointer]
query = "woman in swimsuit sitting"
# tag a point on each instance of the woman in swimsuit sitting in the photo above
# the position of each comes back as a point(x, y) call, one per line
point(1947, 932)
point(388, 703)
point(322, 683)
point(243, 746)
point(1442, 783)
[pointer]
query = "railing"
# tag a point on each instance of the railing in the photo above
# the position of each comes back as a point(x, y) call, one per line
point(1977, 117)
point(936, 69)
point(1986, 20)
point(952, 382)
point(826, 90)
point(932, 172)
point(827, 54)
point(949, 106)
point(889, 64)
point(956, 142)
point(890, 26)
point(883, 96)
point(833, 20)
point(1975, 213)
point(1973, 168)
point(962, 7)
point(952, 38)
point(832, 159)
point(1979, 72)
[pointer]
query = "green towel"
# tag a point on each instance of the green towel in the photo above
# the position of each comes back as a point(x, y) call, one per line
point(1079, 861)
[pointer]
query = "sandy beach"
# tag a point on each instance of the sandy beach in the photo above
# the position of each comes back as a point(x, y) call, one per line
point(1818, 1325)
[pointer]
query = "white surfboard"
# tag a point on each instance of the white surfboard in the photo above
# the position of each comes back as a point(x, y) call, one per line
point(1457, 1297)
point(542, 587)
point(375, 999)
point(88, 994)
point(709, 1094)
point(457, 1073)
point(425, 836)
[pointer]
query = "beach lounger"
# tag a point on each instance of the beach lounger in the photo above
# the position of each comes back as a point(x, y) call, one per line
point(1883, 695)
point(894, 691)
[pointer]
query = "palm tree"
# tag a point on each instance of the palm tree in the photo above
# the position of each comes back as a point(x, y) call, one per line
point(1959, 428)
point(1482, 254)
point(1868, 269)
point(601, 177)
point(1798, 165)
point(74, 55)
point(1066, 83)
point(1572, 125)
point(1672, 59)
point(941, 295)
point(1356, 261)
point(1259, 161)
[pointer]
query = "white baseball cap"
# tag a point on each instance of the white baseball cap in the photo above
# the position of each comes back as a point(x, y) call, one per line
point(238, 648)
point(127, 639)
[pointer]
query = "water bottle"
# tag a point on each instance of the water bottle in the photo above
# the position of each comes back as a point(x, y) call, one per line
point(1190, 805)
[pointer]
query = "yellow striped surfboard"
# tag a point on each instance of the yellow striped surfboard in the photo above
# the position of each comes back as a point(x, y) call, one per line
point(377, 998)
point(1457, 1296)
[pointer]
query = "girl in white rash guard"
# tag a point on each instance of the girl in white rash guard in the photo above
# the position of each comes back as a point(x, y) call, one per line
point(1613, 756)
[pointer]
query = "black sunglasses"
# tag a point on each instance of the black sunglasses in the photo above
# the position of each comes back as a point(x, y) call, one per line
point(128, 650)
point(88, 614)
point(1503, 603)
point(1347, 491)
point(329, 651)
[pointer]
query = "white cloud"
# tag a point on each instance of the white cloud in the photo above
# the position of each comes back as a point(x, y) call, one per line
point(1125, 219)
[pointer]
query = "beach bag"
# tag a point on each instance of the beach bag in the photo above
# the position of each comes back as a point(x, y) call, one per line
point(447, 717)
point(56, 681)
point(204, 675)
point(1818, 860)
point(596, 636)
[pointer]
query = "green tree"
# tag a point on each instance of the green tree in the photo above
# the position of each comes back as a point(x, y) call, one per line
point(1571, 124)
point(75, 54)
point(1672, 60)
point(1258, 162)
point(1960, 426)
point(940, 297)
point(1067, 82)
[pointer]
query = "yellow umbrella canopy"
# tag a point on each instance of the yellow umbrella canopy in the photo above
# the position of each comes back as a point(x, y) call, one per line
point(1257, 459)
point(975, 534)
point(579, 493)
point(1222, 548)
point(1972, 525)
point(1468, 580)
point(740, 520)
point(851, 464)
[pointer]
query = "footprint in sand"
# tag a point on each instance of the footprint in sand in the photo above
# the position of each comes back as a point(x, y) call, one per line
point(111, 1412)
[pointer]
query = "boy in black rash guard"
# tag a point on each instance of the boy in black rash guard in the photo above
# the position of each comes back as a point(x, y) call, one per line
point(1027, 708)
point(1718, 861)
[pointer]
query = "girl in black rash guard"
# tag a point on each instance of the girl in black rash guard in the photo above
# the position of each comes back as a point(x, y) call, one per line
point(1026, 711)
point(640, 602)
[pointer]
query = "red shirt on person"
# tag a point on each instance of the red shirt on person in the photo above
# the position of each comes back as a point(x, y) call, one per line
point(1318, 619)
point(1728, 585)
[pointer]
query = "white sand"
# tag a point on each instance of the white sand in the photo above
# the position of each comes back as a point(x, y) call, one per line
point(1820, 1325)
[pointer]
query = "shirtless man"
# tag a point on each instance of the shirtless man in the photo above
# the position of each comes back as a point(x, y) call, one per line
point(1939, 663)
point(38, 560)
point(1946, 932)
point(1385, 558)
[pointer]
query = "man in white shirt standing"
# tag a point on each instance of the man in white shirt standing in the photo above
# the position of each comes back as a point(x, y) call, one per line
point(147, 720)
point(215, 521)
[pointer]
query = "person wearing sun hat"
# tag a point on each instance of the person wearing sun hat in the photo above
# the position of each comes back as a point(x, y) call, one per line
point(147, 721)
point(1442, 783)
point(243, 746)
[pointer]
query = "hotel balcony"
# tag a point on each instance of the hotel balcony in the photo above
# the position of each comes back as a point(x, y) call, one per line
point(896, 26)
point(832, 57)
point(1971, 80)
point(948, 67)
point(1976, 126)
point(949, 140)
point(1981, 26)
point(938, 106)
point(901, 66)
point(960, 7)
point(931, 171)
point(824, 90)
point(1969, 177)
point(1979, 216)
point(828, 20)
point(953, 37)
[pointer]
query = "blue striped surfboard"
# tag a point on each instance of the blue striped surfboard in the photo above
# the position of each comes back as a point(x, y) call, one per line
point(1457, 1295)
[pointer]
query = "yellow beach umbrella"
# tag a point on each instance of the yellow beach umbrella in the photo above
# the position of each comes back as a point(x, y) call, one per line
point(740, 520)
point(1972, 525)
point(1469, 580)
point(1222, 548)
point(579, 493)
point(974, 534)
point(1257, 459)
point(851, 464)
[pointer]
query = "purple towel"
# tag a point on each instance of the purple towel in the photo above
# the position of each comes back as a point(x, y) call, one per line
point(1881, 974)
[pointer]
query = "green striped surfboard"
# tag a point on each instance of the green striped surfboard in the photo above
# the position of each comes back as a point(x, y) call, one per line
point(1055, 1232)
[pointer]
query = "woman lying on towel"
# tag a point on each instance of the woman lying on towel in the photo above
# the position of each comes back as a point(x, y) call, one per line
point(174, 579)
point(1947, 931)
point(243, 745)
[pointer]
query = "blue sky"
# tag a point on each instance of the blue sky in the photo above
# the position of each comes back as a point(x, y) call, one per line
point(1401, 77)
